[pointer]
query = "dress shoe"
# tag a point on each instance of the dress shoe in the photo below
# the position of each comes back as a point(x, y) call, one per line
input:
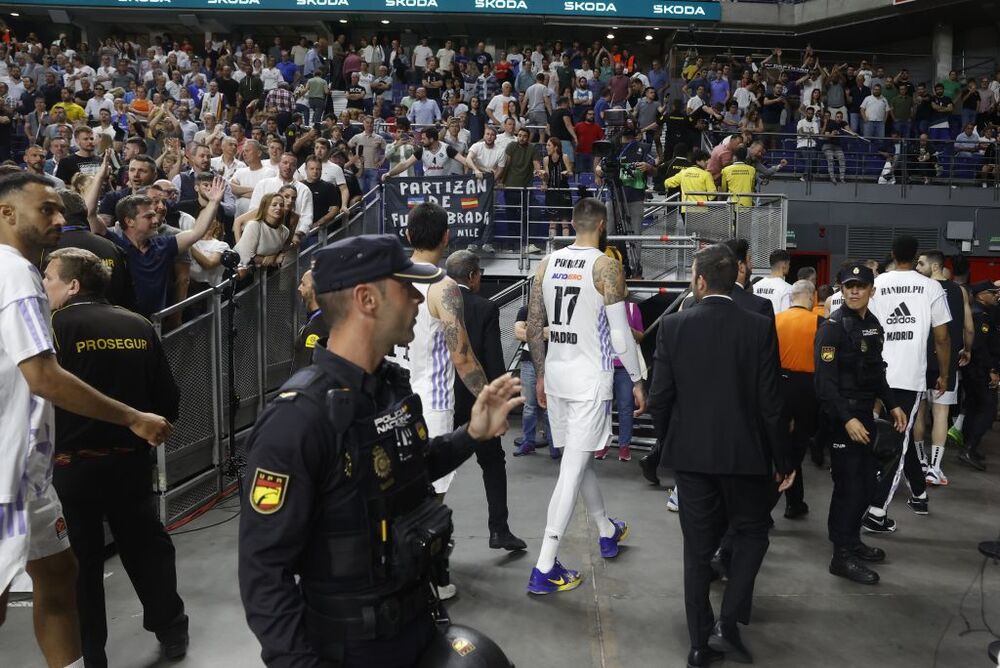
point(846, 565)
point(648, 467)
point(869, 553)
point(994, 651)
point(505, 540)
point(794, 511)
point(990, 548)
point(175, 646)
point(726, 638)
point(699, 658)
point(720, 563)
point(969, 459)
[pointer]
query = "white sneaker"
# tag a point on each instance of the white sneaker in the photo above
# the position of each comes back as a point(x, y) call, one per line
point(672, 501)
point(446, 592)
point(532, 249)
point(936, 477)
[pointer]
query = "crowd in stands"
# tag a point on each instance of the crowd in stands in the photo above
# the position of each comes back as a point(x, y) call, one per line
point(298, 133)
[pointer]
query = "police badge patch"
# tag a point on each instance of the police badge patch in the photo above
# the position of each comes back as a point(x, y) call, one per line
point(864, 346)
point(827, 353)
point(985, 328)
point(381, 461)
point(268, 492)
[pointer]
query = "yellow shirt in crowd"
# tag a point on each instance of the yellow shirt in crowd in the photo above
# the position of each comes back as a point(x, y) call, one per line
point(739, 177)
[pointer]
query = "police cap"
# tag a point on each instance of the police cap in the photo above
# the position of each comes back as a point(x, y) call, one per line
point(982, 286)
point(367, 258)
point(856, 272)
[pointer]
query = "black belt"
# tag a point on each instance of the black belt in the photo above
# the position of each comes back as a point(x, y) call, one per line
point(367, 618)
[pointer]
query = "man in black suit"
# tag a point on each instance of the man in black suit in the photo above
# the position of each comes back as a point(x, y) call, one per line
point(740, 292)
point(716, 408)
point(482, 321)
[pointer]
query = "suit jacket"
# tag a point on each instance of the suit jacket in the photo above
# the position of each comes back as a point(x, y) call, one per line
point(745, 299)
point(714, 397)
point(482, 321)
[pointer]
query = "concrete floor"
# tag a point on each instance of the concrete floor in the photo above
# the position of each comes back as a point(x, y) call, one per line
point(630, 611)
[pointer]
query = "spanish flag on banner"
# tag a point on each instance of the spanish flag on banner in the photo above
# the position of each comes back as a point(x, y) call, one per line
point(470, 202)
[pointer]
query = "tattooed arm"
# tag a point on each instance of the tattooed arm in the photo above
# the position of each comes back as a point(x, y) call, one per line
point(446, 306)
point(535, 330)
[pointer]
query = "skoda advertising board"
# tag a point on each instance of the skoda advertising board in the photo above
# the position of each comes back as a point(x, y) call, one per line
point(640, 9)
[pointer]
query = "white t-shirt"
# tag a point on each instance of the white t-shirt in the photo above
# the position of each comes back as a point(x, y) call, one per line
point(908, 304)
point(331, 173)
point(806, 131)
point(444, 57)
point(303, 200)
point(251, 177)
point(489, 158)
point(876, 108)
point(501, 106)
point(744, 98)
point(420, 55)
point(211, 276)
point(227, 171)
point(27, 422)
point(776, 290)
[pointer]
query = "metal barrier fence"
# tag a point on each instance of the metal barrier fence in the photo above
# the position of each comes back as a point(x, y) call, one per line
point(267, 316)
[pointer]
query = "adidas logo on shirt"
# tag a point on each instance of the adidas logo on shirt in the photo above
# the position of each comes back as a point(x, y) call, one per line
point(900, 316)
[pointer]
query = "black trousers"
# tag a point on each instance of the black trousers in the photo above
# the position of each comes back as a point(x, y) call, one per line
point(709, 504)
point(489, 455)
point(118, 487)
point(799, 412)
point(980, 410)
point(853, 468)
point(886, 486)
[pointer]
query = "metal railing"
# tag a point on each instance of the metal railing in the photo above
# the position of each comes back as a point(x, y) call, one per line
point(886, 160)
point(189, 466)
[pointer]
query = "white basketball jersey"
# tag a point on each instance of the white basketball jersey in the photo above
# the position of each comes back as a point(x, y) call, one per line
point(432, 375)
point(776, 290)
point(579, 364)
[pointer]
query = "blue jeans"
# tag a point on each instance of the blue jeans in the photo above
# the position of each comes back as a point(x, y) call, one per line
point(532, 413)
point(874, 129)
point(902, 127)
point(968, 116)
point(625, 403)
point(369, 179)
point(567, 149)
point(855, 121)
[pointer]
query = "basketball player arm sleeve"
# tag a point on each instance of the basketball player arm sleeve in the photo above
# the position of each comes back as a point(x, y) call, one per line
point(622, 341)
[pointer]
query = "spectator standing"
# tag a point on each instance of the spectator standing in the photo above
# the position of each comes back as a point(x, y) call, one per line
point(401, 148)
point(624, 401)
point(561, 127)
point(502, 105)
point(833, 129)
point(647, 115)
point(518, 170)
point(874, 112)
point(265, 237)
point(424, 112)
point(317, 91)
point(587, 132)
point(83, 161)
point(369, 151)
point(286, 177)
point(805, 143)
point(901, 108)
point(535, 107)
point(942, 106)
point(857, 93)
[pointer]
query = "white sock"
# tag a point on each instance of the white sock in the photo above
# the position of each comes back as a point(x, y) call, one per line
point(594, 501)
point(959, 421)
point(922, 495)
point(76, 664)
point(937, 454)
point(877, 512)
point(921, 454)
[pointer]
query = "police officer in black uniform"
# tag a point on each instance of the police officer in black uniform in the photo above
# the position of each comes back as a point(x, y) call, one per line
point(77, 234)
point(315, 327)
point(103, 470)
point(979, 376)
point(338, 479)
point(850, 377)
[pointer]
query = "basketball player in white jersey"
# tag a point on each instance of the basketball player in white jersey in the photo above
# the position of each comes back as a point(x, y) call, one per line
point(775, 288)
point(440, 345)
point(580, 293)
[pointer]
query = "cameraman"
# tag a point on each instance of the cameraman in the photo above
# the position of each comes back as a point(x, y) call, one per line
point(636, 161)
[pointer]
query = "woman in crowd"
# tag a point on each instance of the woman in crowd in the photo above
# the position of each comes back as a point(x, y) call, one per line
point(752, 123)
point(732, 118)
point(264, 238)
point(475, 120)
point(555, 172)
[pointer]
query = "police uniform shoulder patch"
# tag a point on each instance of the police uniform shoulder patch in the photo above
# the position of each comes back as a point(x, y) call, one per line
point(827, 353)
point(268, 492)
point(311, 340)
point(985, 328)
